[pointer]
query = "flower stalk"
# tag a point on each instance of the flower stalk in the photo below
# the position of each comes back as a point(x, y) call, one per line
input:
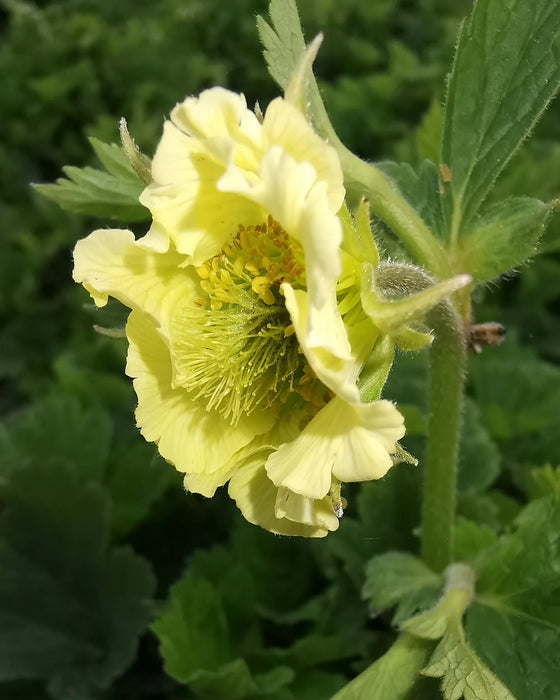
point(447, 369)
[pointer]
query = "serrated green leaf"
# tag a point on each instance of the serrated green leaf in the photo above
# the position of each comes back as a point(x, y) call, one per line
point(192, 630)
point(544, 481)
point(517, 395)
point(470, 538)
point(504, 237)
point(400, 578)
point(464, 675)
point(58, 431)
point(506, 69)
point(112, 193)
point(514, 623)
point(283, 45)
point(194, 637)
point(112, 157)
point(71, 609)
point(392, 676)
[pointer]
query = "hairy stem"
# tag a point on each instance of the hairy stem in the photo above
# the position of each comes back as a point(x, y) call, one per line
point(447, 367)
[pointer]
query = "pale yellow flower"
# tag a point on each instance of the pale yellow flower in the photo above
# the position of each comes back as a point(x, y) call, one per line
point(246, 337)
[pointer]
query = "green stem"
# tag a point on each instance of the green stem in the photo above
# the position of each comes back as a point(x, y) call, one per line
point(363, 179)
point(447, 367)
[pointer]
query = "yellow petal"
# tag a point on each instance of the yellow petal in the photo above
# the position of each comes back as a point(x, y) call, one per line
point(206, 484)
point(300, 509)
point(291, 193)
point(185, 203)
point(256, 497)
point(191, 438)
point(221, 123)
point(111, 262)
point(284, 124)
point(325, 344)
point(353, 442)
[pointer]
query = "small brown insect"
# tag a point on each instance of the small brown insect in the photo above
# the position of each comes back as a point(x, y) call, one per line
point(445, 172)
point(481, 334)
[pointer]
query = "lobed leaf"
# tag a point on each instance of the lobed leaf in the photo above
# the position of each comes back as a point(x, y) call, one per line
point(400, 578)
point(71, 608)
point(514, 623)
point(112, 193)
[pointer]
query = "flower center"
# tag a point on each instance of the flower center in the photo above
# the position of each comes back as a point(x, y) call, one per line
point(235, 347)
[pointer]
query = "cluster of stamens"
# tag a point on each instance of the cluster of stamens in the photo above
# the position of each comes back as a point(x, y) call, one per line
point(236, 348)
point(261, 256)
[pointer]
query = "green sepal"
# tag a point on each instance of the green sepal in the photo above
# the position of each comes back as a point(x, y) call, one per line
point(297, 88)
point(362, 220)
point(376, 369)
point(504, 237)
point(111, 193)
point(391, 314)
point(410, 339)
point(140, 163)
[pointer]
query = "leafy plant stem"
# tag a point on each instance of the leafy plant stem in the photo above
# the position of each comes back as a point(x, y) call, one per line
point(447, 366)
point(363, 179)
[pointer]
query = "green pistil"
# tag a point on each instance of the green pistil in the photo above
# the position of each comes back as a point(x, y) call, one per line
point(237, 358)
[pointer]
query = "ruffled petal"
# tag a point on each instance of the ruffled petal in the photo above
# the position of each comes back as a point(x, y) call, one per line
point(221, 123)
point(284, 124)
point(186, 206)
point(290, 192)
point(256, 496)
point(353, 442)
point(192, 439)
point(110, 262)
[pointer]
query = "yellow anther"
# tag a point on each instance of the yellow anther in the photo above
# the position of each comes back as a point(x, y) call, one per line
point(215, 263)
point(253, 267)
point(227, 250)
point(273, 270)
point(206, 286)
point(199, 302)
point(244, 238)
point(267, 297)
point(238, 265)
point(203, 271)
point(222, 294)
point(288, 331)
point(260, 284)
point(225, 278)
point(216, 304)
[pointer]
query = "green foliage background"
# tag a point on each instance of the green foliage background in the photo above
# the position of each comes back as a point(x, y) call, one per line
point(97, 538)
